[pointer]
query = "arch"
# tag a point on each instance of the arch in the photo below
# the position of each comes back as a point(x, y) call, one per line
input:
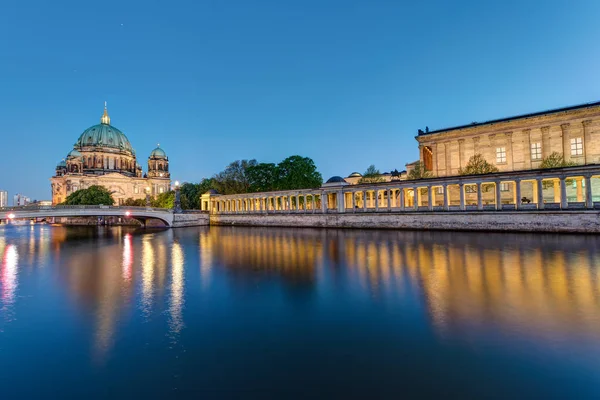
point(428, 158)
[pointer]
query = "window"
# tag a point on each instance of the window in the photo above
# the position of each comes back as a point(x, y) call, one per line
point(136, 189)
point(536, 151)
point(161, 189)
point(577, 146)
point(439, 190)
point(504, 187)
point(500, 155)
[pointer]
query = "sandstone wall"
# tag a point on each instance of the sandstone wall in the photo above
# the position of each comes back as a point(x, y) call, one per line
point(192, 219)
point(531, 221)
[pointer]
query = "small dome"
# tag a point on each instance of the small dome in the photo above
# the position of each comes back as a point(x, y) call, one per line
point(336, 179)
point(61, 164)
point(212, 191)
point(73, 154)
point(355, 175)
point(158, 153)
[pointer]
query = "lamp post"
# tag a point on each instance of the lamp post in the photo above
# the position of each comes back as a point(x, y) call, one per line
point(177, 206)
point(148, 196)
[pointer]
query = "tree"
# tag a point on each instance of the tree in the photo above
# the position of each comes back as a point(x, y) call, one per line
point(134, 202)
point(94, 195)
point(263, 177)
point(477, 165)
point(555, 160)
point(164, 200)
point(371, 175)
point(233, 179)
point(190, 196)
point(419, 172)
point(298, 172)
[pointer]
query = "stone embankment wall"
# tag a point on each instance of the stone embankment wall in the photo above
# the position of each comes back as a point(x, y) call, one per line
point(517, 221)
point(191, 219)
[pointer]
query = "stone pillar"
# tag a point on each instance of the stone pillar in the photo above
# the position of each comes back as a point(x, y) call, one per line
point(324, 202)
point(563, 194)
point(376, 194)
point(433, 199)
point(518, 193)
point(429, 198)
point(364, 200)
point(341, 202)
point(461, 188)
point(446, 199)
point(415, 198)
point(589, 201)
point(587, 141)
point(566, 144)
point(540, 193)
point(479, 197)
point(534, 191)
point(579, 186)
point(556, 191)
point(401, 199)
point(389, 204)
point(305, 204)
point(312, 197)
point(498, 196)
point(527, 151)
point(419, 197)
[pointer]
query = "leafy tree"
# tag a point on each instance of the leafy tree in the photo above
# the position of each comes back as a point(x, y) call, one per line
point(419, 172)
point(477, 165)
point(94, 195)
point(555, 160)
point(134, 202)
point(298, 172)
point(263, 177)
point(205, 185)
point(190, 196)
point(233, 179)
point(371, 175)
point(164, 200)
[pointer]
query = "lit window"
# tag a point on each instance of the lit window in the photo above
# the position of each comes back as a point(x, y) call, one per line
point(536, 151)
point(161, 189)
point(577, 146)
point(505, 187)
point(500, 155)
point(439, 190)
point(136, 190)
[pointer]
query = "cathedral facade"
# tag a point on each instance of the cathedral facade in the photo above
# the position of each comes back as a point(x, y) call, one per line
point(104, 156)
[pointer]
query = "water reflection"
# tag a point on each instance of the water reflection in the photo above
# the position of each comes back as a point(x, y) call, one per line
point(8, 280)
point(177, 287)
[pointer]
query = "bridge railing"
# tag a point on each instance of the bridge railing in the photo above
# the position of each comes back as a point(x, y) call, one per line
point(82, 207)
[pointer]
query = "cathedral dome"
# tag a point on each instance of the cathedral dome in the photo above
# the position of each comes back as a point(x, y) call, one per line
point(158, 153)
point(104, 135)
point(73, 154)
point(61, 164)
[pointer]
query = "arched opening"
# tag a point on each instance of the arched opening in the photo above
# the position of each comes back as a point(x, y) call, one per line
point(428, 158)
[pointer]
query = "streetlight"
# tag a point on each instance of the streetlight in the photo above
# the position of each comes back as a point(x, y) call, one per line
point(147, 196)
point(177, 205)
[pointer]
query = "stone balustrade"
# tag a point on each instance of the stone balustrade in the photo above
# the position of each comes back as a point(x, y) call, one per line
point(522, 190)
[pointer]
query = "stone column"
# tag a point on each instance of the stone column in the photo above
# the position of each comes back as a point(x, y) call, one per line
point(540, 192)
point(389, 204)
point(446, 199)
point(341, 201)
point(419, 197)
point(545, 141)
point(587, 141)
point(479, 197)
point(429, 198)
point(415, 198)
point(563, 194)
point(312, 197)
point(579, 186)
point(534, 191)
point(305, 204)
point(433, 196)
point(376, 194)
point(518, 193)
point(401, 199)
point(509, 151)
point(461, 188)
point(556, 183)
point(461, 153)
point(498, 196)
point(589, 201)
point(324, 202)
point(566, 145)
point(527, 151)
point(364, 200)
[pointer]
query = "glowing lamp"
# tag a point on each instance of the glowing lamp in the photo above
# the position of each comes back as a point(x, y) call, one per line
point(11, 216)
point(127, 213)
point(176, 183)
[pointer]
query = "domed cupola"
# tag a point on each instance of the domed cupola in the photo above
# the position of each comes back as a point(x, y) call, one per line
point(158, 164)
point(73, 154)
point(61, 168)
point(104, 136)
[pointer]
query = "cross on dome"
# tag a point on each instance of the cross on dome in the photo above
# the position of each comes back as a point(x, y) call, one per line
point(105, 118)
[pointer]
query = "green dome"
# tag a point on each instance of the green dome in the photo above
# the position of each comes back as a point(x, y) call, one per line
point(61, 164)
point(74, 153)
point(104, 135)
point(158, 153)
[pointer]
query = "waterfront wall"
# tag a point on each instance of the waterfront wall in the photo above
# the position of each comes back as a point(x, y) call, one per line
point(190, 219)
point(584, 221)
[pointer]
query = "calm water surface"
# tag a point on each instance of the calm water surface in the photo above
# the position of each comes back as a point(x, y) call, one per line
point(272, 313)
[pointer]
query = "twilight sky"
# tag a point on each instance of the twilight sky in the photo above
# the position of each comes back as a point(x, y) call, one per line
point(345, 82)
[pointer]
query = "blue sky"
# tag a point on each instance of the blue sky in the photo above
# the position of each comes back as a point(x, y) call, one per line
point(347, 83)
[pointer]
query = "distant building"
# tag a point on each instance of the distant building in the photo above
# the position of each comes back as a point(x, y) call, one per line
point(20, 200)
point(3, 198)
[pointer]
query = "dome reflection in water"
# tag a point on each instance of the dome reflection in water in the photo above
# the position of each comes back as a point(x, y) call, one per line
point(297, 312)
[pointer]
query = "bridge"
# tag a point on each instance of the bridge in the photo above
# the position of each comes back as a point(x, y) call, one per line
point(39, 212)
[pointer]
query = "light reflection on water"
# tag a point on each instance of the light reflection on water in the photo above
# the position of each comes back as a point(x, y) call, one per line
point(339, 303)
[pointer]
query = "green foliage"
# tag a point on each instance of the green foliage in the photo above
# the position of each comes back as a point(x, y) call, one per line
point(164, 200)
point(190, 196)
point(233, 179)
point(419, 172)
point(263, 177)
point(477, 165)
point(94, 195)
point(135, 202)
point(555, 160)
point(298, 172)
point(371, 175)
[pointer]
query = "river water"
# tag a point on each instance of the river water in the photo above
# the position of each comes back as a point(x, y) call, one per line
point(90, 312)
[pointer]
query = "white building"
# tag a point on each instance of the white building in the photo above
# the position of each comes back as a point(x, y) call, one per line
point(20, 200)
point(3, 198)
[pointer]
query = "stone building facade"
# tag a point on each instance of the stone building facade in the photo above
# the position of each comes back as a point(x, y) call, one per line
point(104, 156)
point(515, 143)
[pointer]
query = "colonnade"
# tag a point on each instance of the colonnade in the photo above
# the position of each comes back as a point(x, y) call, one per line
point(526, 190)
